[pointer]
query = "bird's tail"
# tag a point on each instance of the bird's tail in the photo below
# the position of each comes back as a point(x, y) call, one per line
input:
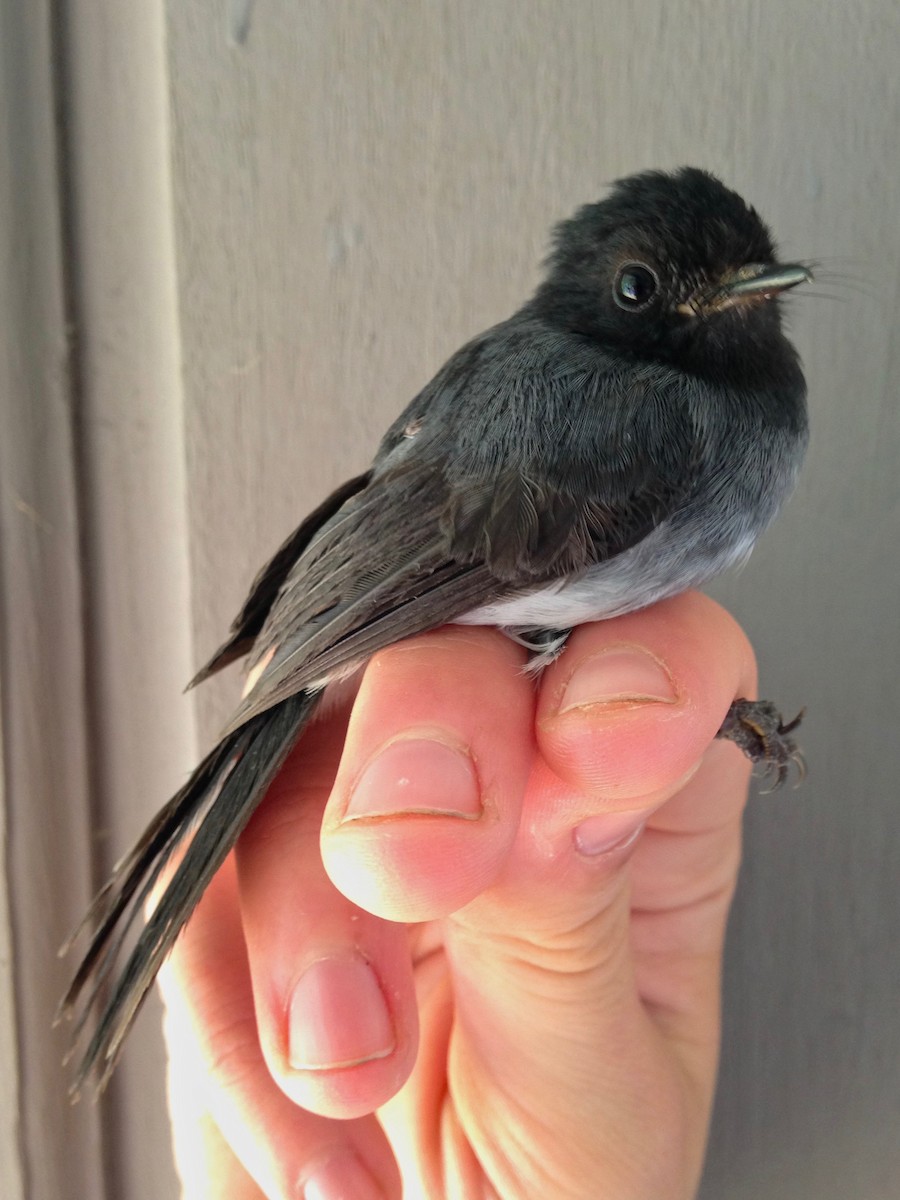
point(205, 816)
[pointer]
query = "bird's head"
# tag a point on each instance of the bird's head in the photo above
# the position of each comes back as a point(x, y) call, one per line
point(673, 267)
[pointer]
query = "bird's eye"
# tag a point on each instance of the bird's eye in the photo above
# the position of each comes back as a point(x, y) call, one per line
point(635, 286)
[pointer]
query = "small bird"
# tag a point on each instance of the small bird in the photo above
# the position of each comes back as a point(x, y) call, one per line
point(626, 434)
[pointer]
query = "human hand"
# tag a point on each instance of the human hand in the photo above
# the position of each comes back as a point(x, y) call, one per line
point(519, 1000)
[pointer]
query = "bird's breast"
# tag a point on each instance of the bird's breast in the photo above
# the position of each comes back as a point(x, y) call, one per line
point(713, 531)
point(674, 557)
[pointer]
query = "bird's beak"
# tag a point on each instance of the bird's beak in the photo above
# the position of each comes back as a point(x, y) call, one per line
point(750, 284)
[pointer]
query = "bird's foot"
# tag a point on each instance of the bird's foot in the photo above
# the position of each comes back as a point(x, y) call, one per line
point(756, 727)
point(545, 645)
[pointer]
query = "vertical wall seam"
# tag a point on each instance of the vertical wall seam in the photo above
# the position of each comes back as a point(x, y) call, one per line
point(86, 168)
point(62, 101)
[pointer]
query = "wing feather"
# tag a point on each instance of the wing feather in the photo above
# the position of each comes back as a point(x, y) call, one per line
point(565, 463)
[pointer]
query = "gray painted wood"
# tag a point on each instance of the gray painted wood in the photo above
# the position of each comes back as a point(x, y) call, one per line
point(337, 196)
point(48, 1149)
point(362, 186)
point(133, 491)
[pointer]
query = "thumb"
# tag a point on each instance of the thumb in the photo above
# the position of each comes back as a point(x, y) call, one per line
point(563, 983)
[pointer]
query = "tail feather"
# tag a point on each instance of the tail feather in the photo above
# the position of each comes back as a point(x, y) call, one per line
point(207, 816)
point(155, 845)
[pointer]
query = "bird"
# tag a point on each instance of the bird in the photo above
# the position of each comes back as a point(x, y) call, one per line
point(625, 435)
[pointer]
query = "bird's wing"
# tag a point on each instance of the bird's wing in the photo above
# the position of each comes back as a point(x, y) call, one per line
point(604, 455)
point(378, 571)
point(265, 587)
point(427, 540)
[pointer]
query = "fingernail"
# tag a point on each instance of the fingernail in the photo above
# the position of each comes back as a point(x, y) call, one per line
point(608, 831)
point(416, 775)
point(344, 1178)
point(617, 674)
point(338, 1016)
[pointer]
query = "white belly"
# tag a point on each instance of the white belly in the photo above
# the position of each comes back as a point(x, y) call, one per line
point(650, 571)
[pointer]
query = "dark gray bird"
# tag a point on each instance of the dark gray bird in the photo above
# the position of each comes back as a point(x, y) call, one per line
point(627, 434)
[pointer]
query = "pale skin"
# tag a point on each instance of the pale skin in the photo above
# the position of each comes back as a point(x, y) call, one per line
point(507, 970)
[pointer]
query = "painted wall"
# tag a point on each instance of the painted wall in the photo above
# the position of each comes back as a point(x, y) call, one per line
point(279, 218)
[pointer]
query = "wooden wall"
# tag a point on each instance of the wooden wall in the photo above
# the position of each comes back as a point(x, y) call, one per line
point(235, 238)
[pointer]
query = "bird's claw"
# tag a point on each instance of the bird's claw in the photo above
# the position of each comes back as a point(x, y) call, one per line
point(756, 727)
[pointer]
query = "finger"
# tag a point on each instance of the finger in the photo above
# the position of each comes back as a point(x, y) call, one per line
point(645, 680)
point(333, 986)
point(207, 1169)
point(650, 680)
point(427, 799)
point(546, 988)
point(219, 1070)
point(683, 876)
point(624, 721)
